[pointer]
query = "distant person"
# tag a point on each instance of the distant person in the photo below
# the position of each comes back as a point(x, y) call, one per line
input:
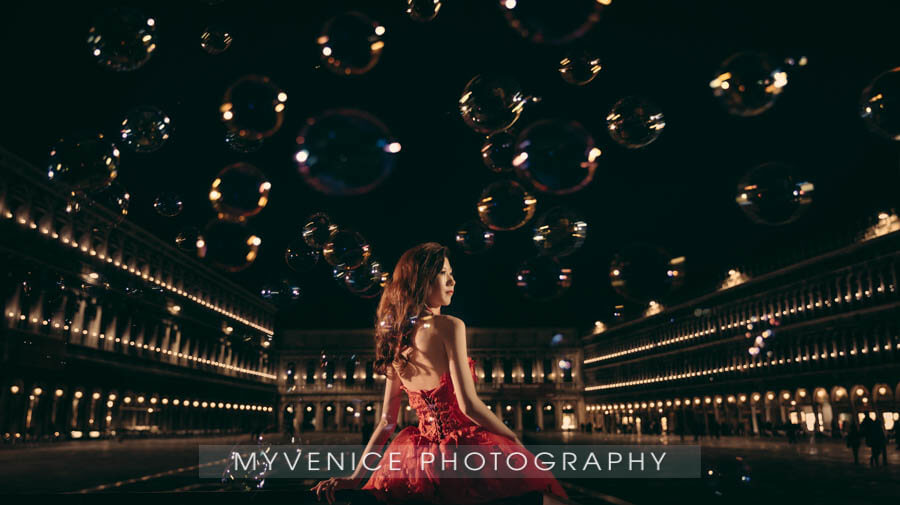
point(854, 439)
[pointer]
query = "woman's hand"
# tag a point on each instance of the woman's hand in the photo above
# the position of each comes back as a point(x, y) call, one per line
point(328, 487)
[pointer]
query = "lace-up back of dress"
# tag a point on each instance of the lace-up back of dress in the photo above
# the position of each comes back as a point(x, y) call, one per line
point(437, 408)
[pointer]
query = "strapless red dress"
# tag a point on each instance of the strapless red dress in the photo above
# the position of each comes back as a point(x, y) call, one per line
point(442, 424)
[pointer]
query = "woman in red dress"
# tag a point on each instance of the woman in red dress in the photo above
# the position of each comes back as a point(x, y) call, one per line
point(424, 353)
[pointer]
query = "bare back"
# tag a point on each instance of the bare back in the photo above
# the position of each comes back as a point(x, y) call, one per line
point(428, 360)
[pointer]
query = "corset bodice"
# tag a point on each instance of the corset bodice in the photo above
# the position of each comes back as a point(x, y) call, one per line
point(437, 409)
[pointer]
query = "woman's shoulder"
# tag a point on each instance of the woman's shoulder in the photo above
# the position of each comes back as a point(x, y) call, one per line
point(448, 321)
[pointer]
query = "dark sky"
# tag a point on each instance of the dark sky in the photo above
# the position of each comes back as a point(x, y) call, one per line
point(677, 193)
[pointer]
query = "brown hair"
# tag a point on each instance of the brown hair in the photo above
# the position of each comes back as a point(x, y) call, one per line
point(402, 304)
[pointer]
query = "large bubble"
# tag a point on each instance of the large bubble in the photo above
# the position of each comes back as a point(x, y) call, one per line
point(351, 43)
point(747, 83)
point(345, 152)
point(84, 162)
point(473, 238)
point(168, 204)
point(300, 256)
point(253, 107)
point(579, 67)
point(559, 232)
point(146, 129)
point(556, 156)
point(215, 39)
point(498, 151)
point(423, 10)
point(317, 229)
point(879, 105)
point(544, 22)
point(543, 278)
point(491, 102)
point(505, 205)
point(239, 191)
point(122, 38)
point(227, 245)
point(643, 273)
point(367, 281)
point(346, 250)
point(635, 122)
point(773, 194)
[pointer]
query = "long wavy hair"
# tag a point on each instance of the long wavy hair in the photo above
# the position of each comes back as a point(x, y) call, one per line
point(402, 304)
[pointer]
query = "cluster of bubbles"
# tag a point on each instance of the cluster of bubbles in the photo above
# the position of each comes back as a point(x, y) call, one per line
point(773, 194)
point(643, 273)
point(759, 330)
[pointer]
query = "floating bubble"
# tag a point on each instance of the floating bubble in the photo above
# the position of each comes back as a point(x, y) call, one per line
point(168, 204)
point(473, 238)
point(345, 152)
point(635, 122)
point(423, 10)
point(84, 162)
point(115, 198)
point(346, 249)
point(643, 273)
point(146, 129)
point(498, 151)
point(300, 256)
point(506, 205)
point(239, 144)
point(543, 278)
point(122, 39)
point(351, 43)
point(282, 293)
point(879, 105)
point(544, 22)
point(556, 156)
point(230, 246)
point(367, 281)
point(579, 68)
point(565, 364)
point(492, 102)
point(318, 229)
point(186, 240)
point(559, 232)
point(239, 191)
point(215, 39)
point(773, 194)
point(253, 107)
point(747, 83)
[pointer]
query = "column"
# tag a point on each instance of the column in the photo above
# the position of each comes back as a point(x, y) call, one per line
point(339, 415)
point(320, 416)
point(518, 416)
point(557, 413)
point(539, 415)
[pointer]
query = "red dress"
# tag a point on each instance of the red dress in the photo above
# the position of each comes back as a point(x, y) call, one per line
point(442, 424)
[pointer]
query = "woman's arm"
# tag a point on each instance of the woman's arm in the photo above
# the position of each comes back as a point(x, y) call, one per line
point(453, 332)
point(386, 425)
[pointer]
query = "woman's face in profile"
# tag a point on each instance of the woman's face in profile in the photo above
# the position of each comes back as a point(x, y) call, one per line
point(442, 288)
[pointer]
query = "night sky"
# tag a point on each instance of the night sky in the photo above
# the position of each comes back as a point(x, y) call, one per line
point(678, 192)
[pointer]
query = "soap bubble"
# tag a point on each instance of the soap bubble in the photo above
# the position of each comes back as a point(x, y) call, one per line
point(186, 240)
point(253, 107)
point(239, 191)
point(122, 39)
point(168, 204)
point(506, 205)
point(643, 273)
point(239, 144)
point(879, 105)
point(318, 229)
point(773, 194)
point(543, 278)
point(346, 249)
point(115, 198)
point(345, 152)
point(545, 22)
point(351, 43)
point(559, 232)
point(282, 293)
point(492, 102)
point(579, 68)
point(300, 256)
point(635, 122)
point(556, 156)
point(84, 162)
point(215, 39)
point(146, 129)
point(230, 246)
point(473, 238)
point(423, 10)
point(498, 150)
point(747, 83)
point(367, 281)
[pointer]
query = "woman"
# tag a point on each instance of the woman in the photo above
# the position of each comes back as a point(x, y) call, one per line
point(424, 353)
